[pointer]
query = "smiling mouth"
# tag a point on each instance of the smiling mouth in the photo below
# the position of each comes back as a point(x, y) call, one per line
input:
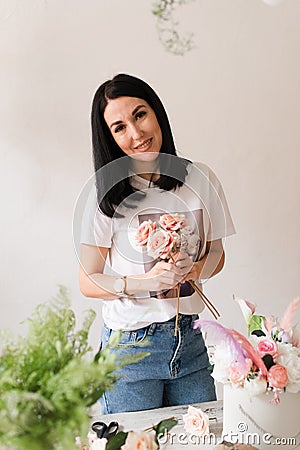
point(143, 145)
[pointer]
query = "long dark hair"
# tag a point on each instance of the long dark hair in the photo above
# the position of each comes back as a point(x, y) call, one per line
point(113, 186)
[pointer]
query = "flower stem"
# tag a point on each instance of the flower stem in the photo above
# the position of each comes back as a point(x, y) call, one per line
point(210, 306)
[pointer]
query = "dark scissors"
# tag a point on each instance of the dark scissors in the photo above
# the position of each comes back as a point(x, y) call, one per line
point(105, 431)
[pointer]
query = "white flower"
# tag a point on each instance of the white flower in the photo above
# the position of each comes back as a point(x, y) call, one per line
point(78, 442)
point(187, 230)
point(99, 444)
point(256, 386)
point(193, 242)
point(196, 421)
point(221, 360)
point(92, 436)
point(247, 308)
point(289, 357)
point(140, 440)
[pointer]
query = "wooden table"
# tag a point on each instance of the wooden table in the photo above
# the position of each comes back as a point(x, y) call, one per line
point(178, 438)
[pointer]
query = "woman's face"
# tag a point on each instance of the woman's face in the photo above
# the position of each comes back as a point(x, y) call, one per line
point(134, 127)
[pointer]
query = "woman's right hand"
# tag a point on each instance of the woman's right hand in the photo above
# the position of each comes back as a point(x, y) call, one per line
point(166, 275)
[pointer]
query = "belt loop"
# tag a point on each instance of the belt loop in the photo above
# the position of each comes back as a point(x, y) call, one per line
point(151, 329)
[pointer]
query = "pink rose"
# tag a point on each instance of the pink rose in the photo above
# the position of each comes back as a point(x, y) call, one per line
point(172, 222)
point(140, 440)
point(196, 421)
point(145, 229)
point(267, 347)
point(237, 373)
point(277, 376)
point(160, 244)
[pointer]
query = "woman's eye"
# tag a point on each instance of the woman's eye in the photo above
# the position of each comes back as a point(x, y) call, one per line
point(119, 128)
point(140, 114)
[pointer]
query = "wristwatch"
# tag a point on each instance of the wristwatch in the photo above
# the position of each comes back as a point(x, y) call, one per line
point(120, 285)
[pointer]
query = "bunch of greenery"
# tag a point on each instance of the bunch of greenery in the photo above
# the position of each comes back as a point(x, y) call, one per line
point(168, 26)
point(49, 378)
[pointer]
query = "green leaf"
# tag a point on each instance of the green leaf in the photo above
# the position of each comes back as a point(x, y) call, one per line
point(255, 323)
point(116, 442)
point(164, 426)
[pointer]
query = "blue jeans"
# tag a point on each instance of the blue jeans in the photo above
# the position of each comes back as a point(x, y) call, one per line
point(175, 373)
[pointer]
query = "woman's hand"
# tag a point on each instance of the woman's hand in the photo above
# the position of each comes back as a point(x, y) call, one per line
point(166, 275)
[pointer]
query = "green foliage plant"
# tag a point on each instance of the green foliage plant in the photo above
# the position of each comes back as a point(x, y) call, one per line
point(168, 27)
point(50, 378)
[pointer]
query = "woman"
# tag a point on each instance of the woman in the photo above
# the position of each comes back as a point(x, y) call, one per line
point(139, 176)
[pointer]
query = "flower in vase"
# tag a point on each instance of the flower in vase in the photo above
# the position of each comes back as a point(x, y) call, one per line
point(277, 376)
point(269, 360)
point(255, 386)
point(266, 347)
point(237, 373)
point(290, 359)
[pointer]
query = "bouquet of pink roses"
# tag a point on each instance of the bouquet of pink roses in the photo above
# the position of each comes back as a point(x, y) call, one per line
point(165, 239)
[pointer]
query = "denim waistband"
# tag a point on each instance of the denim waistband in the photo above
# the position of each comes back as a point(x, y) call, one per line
point(183, 321)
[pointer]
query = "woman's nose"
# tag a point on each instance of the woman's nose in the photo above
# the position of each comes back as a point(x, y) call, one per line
point(136, 132)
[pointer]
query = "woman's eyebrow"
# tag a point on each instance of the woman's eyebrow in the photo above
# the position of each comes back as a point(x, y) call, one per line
point(136, 109)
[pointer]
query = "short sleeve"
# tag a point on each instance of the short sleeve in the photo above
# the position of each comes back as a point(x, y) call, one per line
point(96, 228)
point(220, 220)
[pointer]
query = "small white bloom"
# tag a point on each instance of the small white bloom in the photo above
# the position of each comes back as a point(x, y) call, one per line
point(193, 242)
point(92, 436)
point(99, 444)
point(256, 386)
point(78, 442)
point(221, 360)
point(186, 231)
point(290, 359)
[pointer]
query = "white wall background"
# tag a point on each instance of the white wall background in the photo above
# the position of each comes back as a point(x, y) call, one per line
point(234, 103)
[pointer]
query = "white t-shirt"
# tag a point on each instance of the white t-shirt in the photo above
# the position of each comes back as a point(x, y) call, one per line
point(203, 202)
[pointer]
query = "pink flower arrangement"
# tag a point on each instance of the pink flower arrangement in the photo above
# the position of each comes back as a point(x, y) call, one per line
point(268, 361)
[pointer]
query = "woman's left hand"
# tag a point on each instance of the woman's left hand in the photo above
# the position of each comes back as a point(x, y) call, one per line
point(185, 263)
